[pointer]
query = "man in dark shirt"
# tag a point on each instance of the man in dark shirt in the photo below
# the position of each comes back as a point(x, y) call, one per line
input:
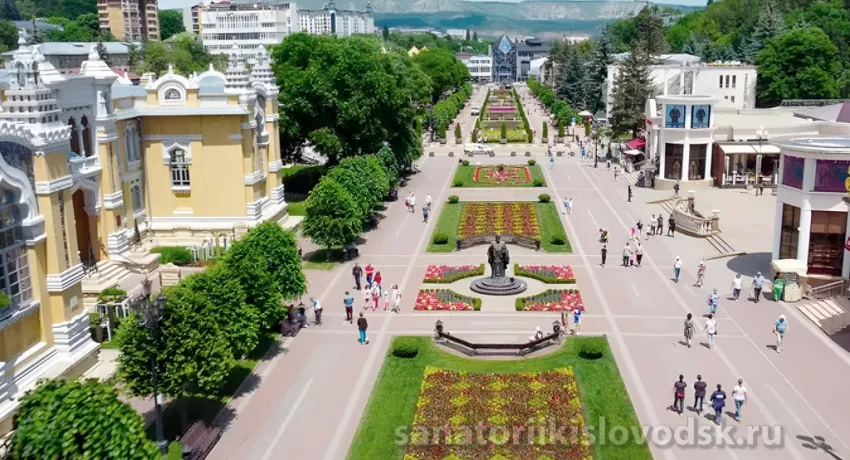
point(604, 254)
point(718, 402)
point(357, 272)
point(660, 228)
point(699, 394)
point(671, 226)
point(679, 388)
point(361, 327)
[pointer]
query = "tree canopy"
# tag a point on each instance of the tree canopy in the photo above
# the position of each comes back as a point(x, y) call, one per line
point(631, 90)
point(332, 218)
point(446, 72)
point(185, 52)
point(170, 23)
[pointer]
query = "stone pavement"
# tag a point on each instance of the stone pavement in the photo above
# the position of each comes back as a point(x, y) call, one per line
point(309, 399)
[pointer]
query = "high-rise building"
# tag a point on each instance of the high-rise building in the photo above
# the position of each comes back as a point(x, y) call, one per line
point(129, 20)
point(242, 27)
point(331, 21)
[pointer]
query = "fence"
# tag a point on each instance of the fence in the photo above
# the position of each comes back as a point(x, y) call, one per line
point(689, 222)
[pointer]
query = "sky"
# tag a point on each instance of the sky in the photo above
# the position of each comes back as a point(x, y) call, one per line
point(173, 4)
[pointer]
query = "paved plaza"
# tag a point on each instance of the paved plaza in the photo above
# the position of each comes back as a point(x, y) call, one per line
point(307, 401)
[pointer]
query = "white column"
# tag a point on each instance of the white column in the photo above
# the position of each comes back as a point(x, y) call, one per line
point(665, 81)
point(80, 140)
point(681, 81)
point(661, 153)
point(758, 168)
point(686, 157)
point(777, 230)
point(809, 175)
point(709, 157)
point(804, 231)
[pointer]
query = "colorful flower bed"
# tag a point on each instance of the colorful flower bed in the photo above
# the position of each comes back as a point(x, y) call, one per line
point(515, 218)
point(551, 300)
point(501, 174)
point(551, 274)
point(451, 273)
point(445, 300)
point(467, 416)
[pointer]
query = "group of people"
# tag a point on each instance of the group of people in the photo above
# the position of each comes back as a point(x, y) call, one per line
point(373, 291)
point(632, 257)
point(717, 398)
point(410, 205)
point(656, 226)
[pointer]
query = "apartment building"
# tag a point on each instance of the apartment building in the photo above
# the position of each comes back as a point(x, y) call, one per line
point(129, 20)
point(330, 21)
point(245, 25)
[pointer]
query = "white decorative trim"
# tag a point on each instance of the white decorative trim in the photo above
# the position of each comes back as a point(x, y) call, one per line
point(16, 383)
point(175, 144)
point(214, 101)
point(72, 338)
point(254, 178)
point(183, 212)
point(62, 281)
point(139, 213)
point(275, 166)
point(235, 137)
point(131, 176)
point(168, 224)
point(172, 138)
point(48, 187)
point(250, 125)
point(181, 91)
point(126, 102)
point(113, 200)
point(277, 196)
point(117, 243)
point(181, 188)
point(255, 209)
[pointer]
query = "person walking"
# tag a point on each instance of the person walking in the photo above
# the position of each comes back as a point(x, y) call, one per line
point(566, 206)
point(571, 208)
point(395, 298)
point(710, 329)
point(676, 188)
point(652, 225)
point(671, 226)
point(348, 301)
point(679, 388)
point(317, 311)
point(604, 253)
point(700, 274)
point(367, 298)
point(370, 273)
point(608, 164)
point(699, 394)
point(739, 395)
point(362, 325)
point(627, 251)
point(736, 286)
point(428, 201)
point(412, 202)
point(425, 211)
point(639, 227)
point(551, 162)
point(638, 254)
point(758, 284)
point(677, 268)
point(386, 295)
point(718, 402)
point(357, 273)
point(779, 330)
point(379, 281)
point(660, 227)
point(713, 302)
point(630, 193)
point(689, 329)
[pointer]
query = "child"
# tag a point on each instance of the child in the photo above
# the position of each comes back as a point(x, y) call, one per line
point(367, 297)
point(376, 297)
point(396, 298)
point(576, 319)
point(386, 300)
point(370, 273)
point(378, 281)
point(632, 257)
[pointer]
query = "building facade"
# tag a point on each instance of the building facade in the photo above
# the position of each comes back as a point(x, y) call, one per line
point(242, 27)
point(68, 57)
point(480, 66)
point(330, 21)
point(129, 20)
point(511, 58)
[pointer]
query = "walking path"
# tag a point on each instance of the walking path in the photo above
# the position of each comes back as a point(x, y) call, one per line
point(310, 398)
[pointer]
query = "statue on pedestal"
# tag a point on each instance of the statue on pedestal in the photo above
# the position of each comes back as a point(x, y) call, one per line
point(498, 258)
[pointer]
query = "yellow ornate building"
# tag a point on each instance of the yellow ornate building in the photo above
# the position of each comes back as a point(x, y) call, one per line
point(93, 170)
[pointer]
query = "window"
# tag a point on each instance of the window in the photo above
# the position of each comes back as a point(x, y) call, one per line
point(131, 142)
point(732, 98)
point(727, 81)
point(788, 233)
point(826, 242)
point(721, 82)
point(179, 169)
point(734, 77)
point(136, 195)
point(673, 161)
point(14, 264)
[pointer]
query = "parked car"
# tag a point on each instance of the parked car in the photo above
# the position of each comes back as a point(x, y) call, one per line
point(477, 148)
point(476, 109)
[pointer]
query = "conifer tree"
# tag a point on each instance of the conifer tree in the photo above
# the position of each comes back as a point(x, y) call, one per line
point(633, 86)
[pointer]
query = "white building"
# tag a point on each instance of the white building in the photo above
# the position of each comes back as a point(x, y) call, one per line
point(246, 25)
point(457, 34)
point(480, 66)
point(734, 84)
point(330, 21)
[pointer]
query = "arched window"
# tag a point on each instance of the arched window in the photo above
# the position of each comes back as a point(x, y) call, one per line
point(136, 195)
point(14, 264)
point(131, 142)
point(179, 169)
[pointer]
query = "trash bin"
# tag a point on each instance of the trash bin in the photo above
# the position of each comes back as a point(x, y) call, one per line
point(778, 287)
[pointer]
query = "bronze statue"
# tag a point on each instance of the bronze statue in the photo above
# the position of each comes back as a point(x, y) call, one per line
point(498, 257)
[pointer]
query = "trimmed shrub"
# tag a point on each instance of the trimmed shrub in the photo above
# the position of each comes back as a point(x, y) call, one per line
point(532, 162)
point(538, 182)
point(592, 348)
point(440, 238)
point(405, 347)
point(457, 131)
point(454, 199)
point(173, 255)
point(560, 129)
point(112, 294)
point(303, 179)
point(465, 162)
point(545, 130)
point(544, 198)
point(457, 183)
point(503, 131)
point(558, 241)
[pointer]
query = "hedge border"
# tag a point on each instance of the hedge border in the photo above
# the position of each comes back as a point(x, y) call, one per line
point(477, 272)
point(546, 279)
point(520, 301)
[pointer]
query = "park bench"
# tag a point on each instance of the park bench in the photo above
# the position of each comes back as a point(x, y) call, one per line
point(199, 441)
point(530, 243)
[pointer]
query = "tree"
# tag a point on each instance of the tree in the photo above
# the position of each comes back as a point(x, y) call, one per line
point(799, 64)
point(632, 88)
point(447, 73)
point(282, 260)
point(599, 72)
point(155, 58)
point(101, 52)
point(9, 11)
point(133, 57)
point(386, 34)
point(170, 23)
point(770, 24)
point(76, 419)
point(503, 131)
point(35, 35)
point(249, 266)
point(326, 143)
point(8, 36)
point(649, 32)
point(388, 161)
point(332, 216)
point(457, 131)
point(474, 36)
point(572, 78)
point(545, 132)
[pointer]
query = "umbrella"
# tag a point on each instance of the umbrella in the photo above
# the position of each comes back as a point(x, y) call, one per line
point(585, 113)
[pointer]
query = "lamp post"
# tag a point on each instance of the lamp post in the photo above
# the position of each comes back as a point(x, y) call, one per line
point(151, 321)
point(761, 134)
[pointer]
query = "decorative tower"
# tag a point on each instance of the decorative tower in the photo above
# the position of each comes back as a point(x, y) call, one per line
point(262, 70)
point(237, 74)
point(368, 7)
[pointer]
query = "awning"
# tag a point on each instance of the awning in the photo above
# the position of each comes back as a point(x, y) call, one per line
point(635, 143)
point(585, 114)
point(633, 152)
point(751, 149)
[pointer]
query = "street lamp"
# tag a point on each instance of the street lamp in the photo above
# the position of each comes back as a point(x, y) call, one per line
point(761, 134)
point(151, 321)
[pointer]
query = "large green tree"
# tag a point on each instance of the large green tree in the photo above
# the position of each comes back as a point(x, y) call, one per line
point(8, 36)
point(185, 53)
point(282, 261)
point(332, 216)
point(799, 64)
point(9, 11)
point(248, 264)
point(603, 57)
point(649, 30)
point(170, 23)
point(75, 419)
point(446, 72)
point(632, 87)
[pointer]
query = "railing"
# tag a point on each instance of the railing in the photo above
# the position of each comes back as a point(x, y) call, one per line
point(82, 166)
point(686, 222)
point(826, 291)
point(521, 349)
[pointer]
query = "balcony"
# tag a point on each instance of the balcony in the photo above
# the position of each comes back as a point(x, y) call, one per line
point(83, 167)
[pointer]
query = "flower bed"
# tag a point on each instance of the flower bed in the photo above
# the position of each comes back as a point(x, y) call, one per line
point(551, 274)
point(551, 300)
point(462, 415)
point(445, 300)
point(501, 174)
point(451, 273)
point(494, 218)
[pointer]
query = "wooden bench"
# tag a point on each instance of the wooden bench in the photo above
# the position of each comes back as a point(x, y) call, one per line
point(530, 243)
point(199, 441)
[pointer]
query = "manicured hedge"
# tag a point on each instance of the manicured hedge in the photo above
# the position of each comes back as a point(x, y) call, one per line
point(458, 276)
point(173, 255)
point(546, 279)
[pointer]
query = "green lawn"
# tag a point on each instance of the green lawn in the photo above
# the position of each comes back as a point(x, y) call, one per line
point(447, 223)
point(393, 400)
point(296, 208)
point(465, 174)
point(551, 227)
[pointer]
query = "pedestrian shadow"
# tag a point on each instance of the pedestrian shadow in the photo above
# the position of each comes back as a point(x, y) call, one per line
point(711, 417)
point(772, 347)
point(683, 343)
point(818, 443)
point(730, 414)
point(750, 264)
point(705, 345)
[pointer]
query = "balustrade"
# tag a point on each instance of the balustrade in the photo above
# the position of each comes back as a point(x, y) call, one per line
point(688, 222)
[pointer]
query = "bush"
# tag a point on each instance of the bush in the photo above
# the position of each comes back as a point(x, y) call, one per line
point(457, 131)
point(544, 198)
point(405, 347)
point(112, 294)
point(592, 348)
point(440, 238)
point(503, 131)
point(173, 255)
point(5, 300)
point(560, 129)
point(545, 130)
point(558, 241)
point(538, 182)
point(454, 199)
point(532, 162)
point(301, 180)
point(465, 162)
point(457, 183)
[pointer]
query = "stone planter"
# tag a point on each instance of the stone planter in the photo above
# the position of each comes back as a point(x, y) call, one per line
point(442, 142)
point(430, 154)
point(528, 154)
point(545, 140)
point(492, 154)
point(513, 154)
point(559, 140)
point(458, 141)
point(451, 154)
point(560, 154)
point(503, 141)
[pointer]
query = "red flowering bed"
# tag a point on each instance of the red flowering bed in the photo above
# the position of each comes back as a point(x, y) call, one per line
point(551, 300)
point(466, 416)
point(503, 175)
point(492, 218)
point(451, 273)
point(551, 274)
point(445, 300)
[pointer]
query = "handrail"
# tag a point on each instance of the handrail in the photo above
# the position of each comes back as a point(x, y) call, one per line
point(827, 291)
point(521, 348)
point(690, 223)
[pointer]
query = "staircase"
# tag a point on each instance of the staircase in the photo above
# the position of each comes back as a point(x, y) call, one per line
point(827, 306)
point(720, 245)
point(109, 274)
